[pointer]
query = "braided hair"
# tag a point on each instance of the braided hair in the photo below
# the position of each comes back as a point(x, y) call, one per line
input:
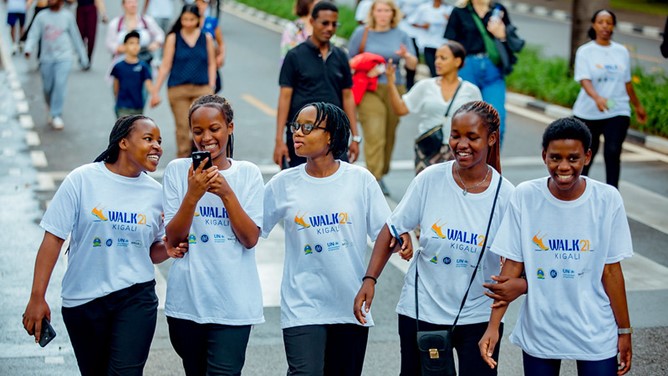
point(122, 128)
point(221, 104)
point(336, 123)
point(490, 119)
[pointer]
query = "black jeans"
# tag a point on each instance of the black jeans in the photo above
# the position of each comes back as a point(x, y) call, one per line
point(465, 340)
point(112, 335)
point(335, 349)
point(209, 349)
point(614, 132)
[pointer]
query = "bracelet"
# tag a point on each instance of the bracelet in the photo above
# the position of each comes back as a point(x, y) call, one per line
point(375, 281)
point(625, 331)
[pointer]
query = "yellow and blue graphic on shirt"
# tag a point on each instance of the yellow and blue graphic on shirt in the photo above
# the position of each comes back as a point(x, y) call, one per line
point(123, 222)
point(562, 248)
point(120, 220)
point(610, 69)
point(213, 217)
point(321, 225)
point(460, 245)
point(324, 223)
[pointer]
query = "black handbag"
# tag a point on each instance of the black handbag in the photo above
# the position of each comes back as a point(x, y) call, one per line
point(435, 346)
point(429, 143)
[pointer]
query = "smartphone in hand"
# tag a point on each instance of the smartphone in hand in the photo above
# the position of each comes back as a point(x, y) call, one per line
point(47, 333)
point(199, 156)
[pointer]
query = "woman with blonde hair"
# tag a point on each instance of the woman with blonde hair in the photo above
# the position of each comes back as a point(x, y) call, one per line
point(381, 36)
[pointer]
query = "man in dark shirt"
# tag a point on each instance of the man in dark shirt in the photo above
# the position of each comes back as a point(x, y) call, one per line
point(314, 71)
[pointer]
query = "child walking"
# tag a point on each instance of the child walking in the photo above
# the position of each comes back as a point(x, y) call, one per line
point(131, 77)
point(58, 34)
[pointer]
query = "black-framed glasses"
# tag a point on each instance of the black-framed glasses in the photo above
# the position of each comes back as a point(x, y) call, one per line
point(327, 23)
point(306, 127)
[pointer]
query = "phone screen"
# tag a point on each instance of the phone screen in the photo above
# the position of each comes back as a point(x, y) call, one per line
point(199, 156)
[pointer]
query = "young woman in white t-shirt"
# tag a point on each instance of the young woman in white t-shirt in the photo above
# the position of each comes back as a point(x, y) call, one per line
point(112, 212)
point(452, 203)
point(328, 209)
point(213, 289)
point(576, 302)
point(431, 98)
point(603, 68)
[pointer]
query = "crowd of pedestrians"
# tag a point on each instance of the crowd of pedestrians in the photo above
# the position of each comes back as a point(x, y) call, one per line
point(208, 214)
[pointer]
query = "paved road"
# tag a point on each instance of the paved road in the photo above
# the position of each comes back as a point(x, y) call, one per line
point(251, 85)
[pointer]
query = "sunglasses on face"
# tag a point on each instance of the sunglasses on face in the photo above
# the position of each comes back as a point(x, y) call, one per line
point(306, 128)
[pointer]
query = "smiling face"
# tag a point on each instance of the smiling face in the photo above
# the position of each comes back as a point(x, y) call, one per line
point(211, 132)
point(142, 145)
point(317, 142)
point(446, 62)
point(470, 140)
point(603, 26)
point(565, 160)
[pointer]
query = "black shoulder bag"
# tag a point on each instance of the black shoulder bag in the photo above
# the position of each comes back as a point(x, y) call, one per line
point(436, 356)
point(430, 142)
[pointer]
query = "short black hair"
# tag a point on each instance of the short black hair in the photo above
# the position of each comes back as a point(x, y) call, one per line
point(591, 33)
point(131, 34)
point(323, 5)
point(336, 123)
point(568, 128)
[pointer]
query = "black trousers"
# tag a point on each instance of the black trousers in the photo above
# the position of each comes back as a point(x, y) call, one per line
point(112, 335)
point(465, 340)
point(209, 349)
point(331, 350)
point(614, 132)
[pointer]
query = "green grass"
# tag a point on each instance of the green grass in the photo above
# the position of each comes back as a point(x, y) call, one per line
point(652, 7)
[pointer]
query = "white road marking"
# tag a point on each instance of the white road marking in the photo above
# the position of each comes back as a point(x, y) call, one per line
point(32, 138)
point(26, 121)
point(38, 158)
point(268, 110)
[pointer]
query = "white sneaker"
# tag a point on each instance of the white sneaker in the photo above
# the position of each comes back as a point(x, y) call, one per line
point(57, 123)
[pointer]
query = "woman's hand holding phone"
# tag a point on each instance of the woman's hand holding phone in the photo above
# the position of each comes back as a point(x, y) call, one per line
point(401, 244)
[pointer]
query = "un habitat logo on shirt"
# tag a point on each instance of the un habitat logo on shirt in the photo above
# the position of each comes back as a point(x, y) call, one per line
point(322, 223)
point(563, 249)
point(120, 220)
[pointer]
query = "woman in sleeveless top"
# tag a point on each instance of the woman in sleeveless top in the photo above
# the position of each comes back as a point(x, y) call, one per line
point(190, 62)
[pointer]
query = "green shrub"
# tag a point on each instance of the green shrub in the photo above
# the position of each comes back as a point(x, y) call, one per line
point(547, 79)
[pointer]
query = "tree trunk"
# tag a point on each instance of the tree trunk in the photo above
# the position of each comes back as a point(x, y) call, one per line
point(581, 22)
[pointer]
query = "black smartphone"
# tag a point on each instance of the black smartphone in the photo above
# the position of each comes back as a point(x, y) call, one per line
point(47, 333)
point(199, 156)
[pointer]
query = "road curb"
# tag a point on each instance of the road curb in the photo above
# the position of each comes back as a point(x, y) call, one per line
point(656, 143)
point(551, 110)
point(537, 10)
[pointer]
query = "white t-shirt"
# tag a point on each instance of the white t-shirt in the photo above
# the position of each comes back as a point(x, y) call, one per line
point(326, 223)
point(437, 18)
point(113, 221)
point(216, 282)
point(564, 246)
point(453, 229)
point(609, 69)
point(16, 6)
point(425, 99)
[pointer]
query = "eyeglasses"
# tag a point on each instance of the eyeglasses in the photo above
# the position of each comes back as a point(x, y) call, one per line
point(327, 23)
point(306, 128)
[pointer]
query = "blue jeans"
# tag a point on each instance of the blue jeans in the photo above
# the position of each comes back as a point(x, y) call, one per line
point(54, 84)
point(480, 71)
point(550, 367)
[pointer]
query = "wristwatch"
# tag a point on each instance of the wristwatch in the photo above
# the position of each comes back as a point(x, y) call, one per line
point(625, 331)
point(357, 139)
